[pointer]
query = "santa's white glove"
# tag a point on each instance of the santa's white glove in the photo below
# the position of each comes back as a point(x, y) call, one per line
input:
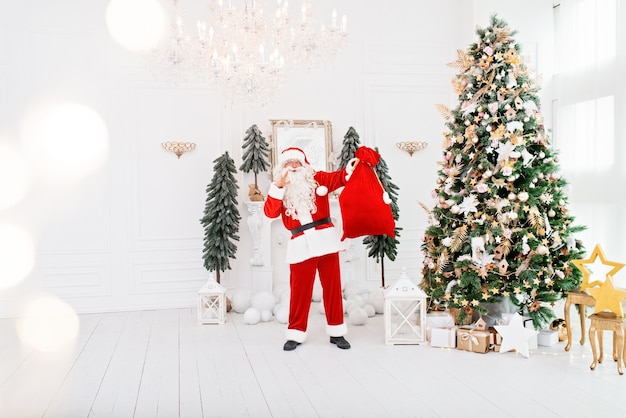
point(350, 167)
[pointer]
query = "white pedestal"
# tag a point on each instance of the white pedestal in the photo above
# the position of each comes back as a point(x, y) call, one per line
point(261, 262)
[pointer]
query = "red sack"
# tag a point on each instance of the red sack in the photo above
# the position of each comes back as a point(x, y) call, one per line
point(363, 208)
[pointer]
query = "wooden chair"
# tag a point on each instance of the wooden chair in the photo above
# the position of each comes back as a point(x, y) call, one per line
point(607, 321)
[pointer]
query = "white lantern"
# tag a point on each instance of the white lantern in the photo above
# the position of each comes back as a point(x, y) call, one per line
point(212, 303)
point(405, 313)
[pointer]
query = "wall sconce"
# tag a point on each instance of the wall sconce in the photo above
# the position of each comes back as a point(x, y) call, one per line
point(412, 146)
point(178, 148)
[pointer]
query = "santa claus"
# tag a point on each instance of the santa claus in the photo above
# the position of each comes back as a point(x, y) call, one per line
point(300, 195)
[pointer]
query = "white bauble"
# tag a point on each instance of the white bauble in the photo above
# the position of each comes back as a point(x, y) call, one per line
point(266, 315)
point(282, 315)
point(240, 301)
point(263, 301)
point(321, 309)
point(252, 316)
point(522, 196)
point(370, 310)
point(358, 316)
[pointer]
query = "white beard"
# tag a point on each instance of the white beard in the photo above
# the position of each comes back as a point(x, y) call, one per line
point(300, 192)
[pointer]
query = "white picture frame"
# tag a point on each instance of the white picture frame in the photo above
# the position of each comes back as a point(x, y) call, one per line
point(314, 137)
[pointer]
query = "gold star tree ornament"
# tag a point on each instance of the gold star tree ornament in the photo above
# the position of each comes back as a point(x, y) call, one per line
point(597, 253)
point(608, 297)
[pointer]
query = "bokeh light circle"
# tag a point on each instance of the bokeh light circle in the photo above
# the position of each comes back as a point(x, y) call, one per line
point(65, 141)
point(48, 324)
point(137, 25)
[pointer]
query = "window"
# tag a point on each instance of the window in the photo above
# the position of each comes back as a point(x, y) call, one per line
point(585, 88)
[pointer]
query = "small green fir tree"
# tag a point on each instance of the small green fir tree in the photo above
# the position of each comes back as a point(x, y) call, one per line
point(380, 246)
point(350, 144)
point(255, 155)
point(500, 225)
point(221, 217)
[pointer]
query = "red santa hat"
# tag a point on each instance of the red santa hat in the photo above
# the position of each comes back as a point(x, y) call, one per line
point(293, 153)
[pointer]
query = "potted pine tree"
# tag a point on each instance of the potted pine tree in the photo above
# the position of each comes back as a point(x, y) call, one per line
point(221, 217)
point(255, 155)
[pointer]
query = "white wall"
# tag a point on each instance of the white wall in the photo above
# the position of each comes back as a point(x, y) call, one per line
point(128, 236)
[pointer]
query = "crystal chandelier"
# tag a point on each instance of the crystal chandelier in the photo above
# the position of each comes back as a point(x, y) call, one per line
point(242, 51)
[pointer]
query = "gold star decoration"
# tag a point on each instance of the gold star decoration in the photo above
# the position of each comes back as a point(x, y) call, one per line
point(597, 252)
point(608, 297)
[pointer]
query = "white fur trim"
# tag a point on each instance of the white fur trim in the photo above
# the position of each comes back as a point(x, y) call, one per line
point(295, 335)
point(321, 191)
point(276, 192)
point(314, 243)
point(350, 167)
point(292, 154)
point(337, 330)
point(386, 198)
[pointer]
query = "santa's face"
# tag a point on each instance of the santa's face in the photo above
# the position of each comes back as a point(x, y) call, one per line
point(300, 188)
point(292, 165)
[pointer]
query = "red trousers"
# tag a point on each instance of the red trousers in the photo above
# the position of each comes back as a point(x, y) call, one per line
point(301, 282)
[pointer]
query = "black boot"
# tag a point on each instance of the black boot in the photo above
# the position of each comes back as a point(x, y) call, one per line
point(340, 342)
point(290, 345)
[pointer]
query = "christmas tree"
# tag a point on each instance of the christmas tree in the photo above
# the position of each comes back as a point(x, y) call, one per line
point(500, 225)
point(221, 217)
point(255, 155)
point(350, 144)
point(379, 246)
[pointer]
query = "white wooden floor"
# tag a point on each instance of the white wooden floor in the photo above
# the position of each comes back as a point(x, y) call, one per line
point(163, 364)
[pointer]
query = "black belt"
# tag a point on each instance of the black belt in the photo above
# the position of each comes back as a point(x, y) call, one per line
point(310, 225)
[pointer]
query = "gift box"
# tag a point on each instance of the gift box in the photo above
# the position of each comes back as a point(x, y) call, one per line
point(443, 337)
point(476, 341)
point(441, 319)
point(495, 340)
point(547, 338)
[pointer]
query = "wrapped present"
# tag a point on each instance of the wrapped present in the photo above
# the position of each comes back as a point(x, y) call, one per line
point(495, 340)
point(441, 319)
point(473, 340)
point(443, 337)
point(547, 338)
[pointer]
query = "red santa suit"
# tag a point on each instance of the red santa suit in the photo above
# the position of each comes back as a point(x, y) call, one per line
point(313, 247)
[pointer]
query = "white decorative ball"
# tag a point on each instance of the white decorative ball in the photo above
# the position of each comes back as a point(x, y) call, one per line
point(358, 299)
point(542, 250)
point(386, 198)
point(455, 209)
point(282, 315)
point(512, 196)
point(263, 301)
point(240, 300)
point(370, 310)
point(523, 196)
point(321, 309)
point(358, 316)
point(321, 191)
point(350, 306)
point(551, 213)
point(266, 315)
point(317, 291)
point(252, 316)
